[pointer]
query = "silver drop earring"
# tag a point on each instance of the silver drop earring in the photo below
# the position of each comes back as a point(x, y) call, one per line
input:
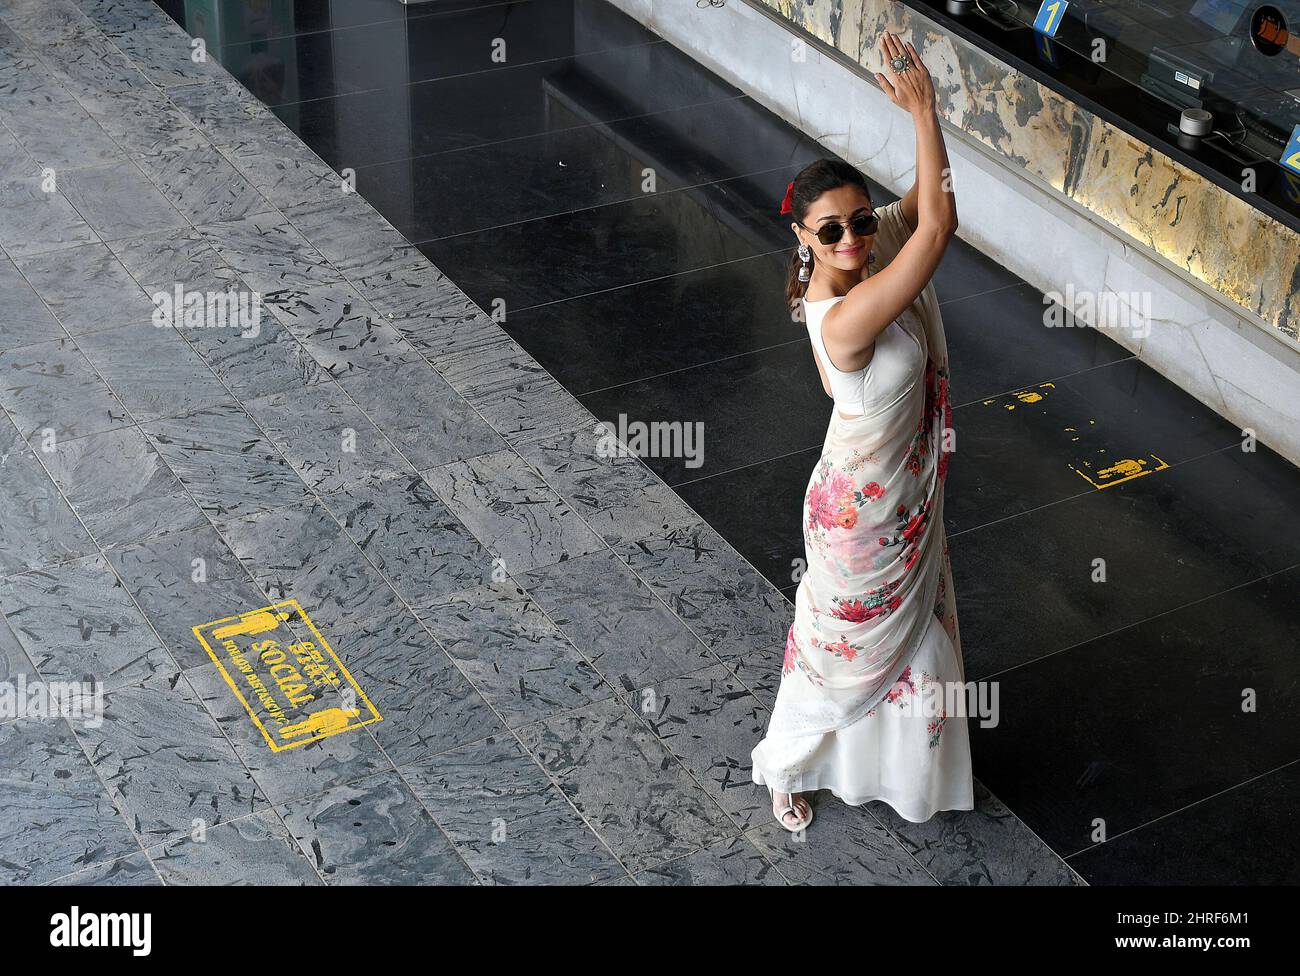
point(805, 255)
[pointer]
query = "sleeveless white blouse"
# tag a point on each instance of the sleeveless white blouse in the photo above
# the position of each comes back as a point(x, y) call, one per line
point(898, 352)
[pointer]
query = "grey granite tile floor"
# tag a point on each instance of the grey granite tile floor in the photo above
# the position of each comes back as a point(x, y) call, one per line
point(569, 667)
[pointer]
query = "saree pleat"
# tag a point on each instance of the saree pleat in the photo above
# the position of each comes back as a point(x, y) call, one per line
point(874, 652)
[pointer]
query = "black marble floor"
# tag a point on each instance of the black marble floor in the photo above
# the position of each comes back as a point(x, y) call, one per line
point(523, 182)
point(611, 206)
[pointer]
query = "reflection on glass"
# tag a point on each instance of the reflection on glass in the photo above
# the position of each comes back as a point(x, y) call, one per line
point(1239, 59)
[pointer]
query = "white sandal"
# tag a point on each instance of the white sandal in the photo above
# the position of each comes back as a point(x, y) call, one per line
point(791, 808)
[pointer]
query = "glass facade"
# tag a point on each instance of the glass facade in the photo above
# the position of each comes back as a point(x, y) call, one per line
point(1141, 63)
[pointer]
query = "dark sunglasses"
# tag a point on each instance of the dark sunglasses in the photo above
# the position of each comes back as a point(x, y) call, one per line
point(863, 225)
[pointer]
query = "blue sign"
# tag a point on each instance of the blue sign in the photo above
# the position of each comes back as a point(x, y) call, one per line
point(1050, 15)
point(1291, 154)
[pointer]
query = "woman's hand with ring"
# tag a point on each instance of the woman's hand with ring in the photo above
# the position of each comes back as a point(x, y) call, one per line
point(908, 85)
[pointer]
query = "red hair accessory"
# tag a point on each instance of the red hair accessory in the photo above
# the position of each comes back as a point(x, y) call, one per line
point(787, 204)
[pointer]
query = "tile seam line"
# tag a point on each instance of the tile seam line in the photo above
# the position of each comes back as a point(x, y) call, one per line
point(273, 807)
point(1087, 493)
point(513, 733)
point(710, 267)
point(1011, 813)
point(904, 847)
point(64, 721)
point(758, 828)
point(147, 849)
point(58, 77)
point(804, 339)
point(641, 281)
point(1188, 806)
point(279, 212)
point(314, 501)
point(742, 684)
point(741, 467)
point(1138, 623)
point(426, 14)
point(507, 726)
point(1051, 379)
point(696, 518)
point(545, 133)
point(686, 188)
point(700, 850)
point(452, 77)
point(270, 807)
point(509, 729)
point(504, 334)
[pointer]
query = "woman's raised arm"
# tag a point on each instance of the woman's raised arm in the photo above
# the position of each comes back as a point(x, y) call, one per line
point(852, 325)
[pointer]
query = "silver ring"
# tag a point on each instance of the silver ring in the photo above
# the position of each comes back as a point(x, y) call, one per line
point(900, 64)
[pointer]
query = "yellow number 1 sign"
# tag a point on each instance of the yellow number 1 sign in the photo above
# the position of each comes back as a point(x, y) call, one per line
point(1050, 15)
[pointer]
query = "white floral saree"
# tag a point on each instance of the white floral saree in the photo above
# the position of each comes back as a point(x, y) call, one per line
point(874, 655)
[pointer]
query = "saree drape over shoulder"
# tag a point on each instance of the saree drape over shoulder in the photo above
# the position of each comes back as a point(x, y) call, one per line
point(874, 652)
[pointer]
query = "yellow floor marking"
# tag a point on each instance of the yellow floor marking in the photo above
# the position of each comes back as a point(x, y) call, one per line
point(301, 690)
point(1109, 473)
point(1121, 471)
point(1026, 396)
